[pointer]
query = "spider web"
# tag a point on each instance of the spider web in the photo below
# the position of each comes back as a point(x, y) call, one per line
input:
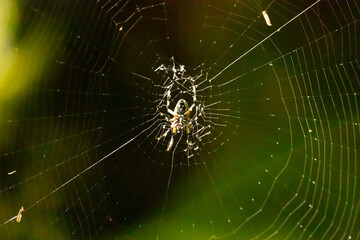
point(272, 151)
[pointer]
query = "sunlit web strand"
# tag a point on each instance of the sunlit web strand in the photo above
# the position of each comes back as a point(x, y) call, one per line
point(259, 43)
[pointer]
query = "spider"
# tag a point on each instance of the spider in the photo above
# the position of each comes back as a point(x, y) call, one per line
point(181, 118)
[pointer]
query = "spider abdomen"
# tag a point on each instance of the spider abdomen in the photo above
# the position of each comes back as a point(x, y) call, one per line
point(181, 107)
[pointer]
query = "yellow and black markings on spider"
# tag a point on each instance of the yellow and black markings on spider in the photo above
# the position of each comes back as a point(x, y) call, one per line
point(180, 120)
point(174, 129)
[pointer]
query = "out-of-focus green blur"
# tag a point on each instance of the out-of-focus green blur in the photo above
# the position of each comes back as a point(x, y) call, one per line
point(22, 61)
point(8, 61)
point(17, 69)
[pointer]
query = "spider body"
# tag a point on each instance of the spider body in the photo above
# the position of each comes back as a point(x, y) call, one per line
point(181, 117)
point(180, 121)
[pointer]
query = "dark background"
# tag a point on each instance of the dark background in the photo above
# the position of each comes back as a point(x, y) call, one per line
point(281, 159)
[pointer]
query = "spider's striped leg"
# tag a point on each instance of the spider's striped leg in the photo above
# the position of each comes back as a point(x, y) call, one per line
point(168, 103)
point(190, 109)
point(171, 112)
point(170, 143)
point(164, 135)
point(194, 100)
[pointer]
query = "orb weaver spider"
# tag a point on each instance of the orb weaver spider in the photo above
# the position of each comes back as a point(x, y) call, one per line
point(181, 118)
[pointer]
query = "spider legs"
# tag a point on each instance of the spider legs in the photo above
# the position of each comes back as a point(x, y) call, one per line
point(168, 103)
point(171, 140)
point(194, 100)
point(190, 109)
point(194, 93)
point(170, 143)
point(171, 112)
point(163, 135)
